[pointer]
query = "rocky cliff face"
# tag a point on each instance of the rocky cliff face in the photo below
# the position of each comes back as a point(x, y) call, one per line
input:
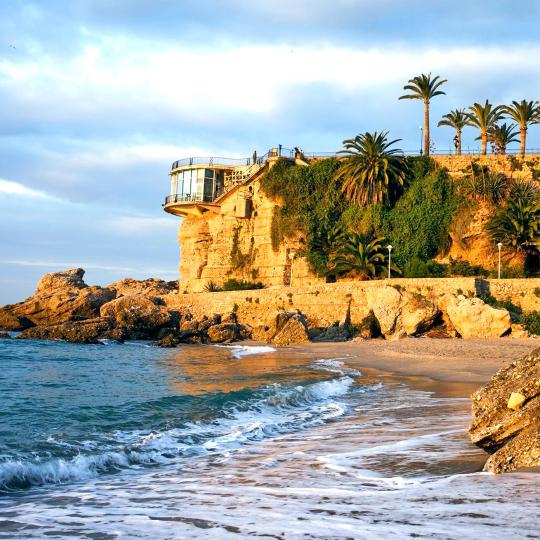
point(506, 416)
point(218, 246)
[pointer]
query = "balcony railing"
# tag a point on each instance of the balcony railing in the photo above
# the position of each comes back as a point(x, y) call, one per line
point(190, 198)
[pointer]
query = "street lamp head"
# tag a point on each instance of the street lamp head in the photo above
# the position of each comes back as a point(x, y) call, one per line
point(292, 255)
point(389, 247)
point(499, 245)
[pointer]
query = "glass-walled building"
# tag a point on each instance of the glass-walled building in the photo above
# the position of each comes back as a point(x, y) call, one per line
point(196, 185)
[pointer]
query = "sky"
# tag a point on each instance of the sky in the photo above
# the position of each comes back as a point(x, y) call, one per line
point(99, 97)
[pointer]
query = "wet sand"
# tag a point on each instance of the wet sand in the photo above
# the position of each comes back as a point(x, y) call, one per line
point(448, 367)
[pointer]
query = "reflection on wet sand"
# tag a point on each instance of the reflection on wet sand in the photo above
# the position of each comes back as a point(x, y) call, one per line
point(196, 369)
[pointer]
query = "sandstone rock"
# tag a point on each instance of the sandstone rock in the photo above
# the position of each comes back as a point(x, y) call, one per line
point(223, 333)
point(59, 297)
point(511, 436)
point(169, 341)
point(472, 318)
point(519, 331)
point(89, 331)
point(139, 316)
point(515, 401)
point(66, 279)
point(262, 333)
point(400, 313)
point(369, 327)
point(294, 331)
point(148, 287)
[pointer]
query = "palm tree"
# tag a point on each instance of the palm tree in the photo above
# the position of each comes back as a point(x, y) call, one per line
point(425, 88)
point(456, 119)
point(517, 225)
point(360, 256)
point(371, 170)
point(500, 136)
point(484, 117)
point(523, 113)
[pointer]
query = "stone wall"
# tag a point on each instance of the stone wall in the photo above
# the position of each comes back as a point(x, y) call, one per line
point(512, 166)
point(327, 303)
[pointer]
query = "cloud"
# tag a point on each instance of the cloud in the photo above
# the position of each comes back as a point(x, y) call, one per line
point(8, 187)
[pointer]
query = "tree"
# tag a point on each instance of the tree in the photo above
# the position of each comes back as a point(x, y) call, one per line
point(523, 113)
point(456, 119)
point(484, 117)
point(371, 171)
point(360, 256)
point(517, 225)
point(500, 136)
point(425, 88)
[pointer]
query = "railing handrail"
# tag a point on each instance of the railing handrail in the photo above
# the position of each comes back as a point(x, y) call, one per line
point(289, 153)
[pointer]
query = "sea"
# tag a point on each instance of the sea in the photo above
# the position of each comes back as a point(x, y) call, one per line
point(240, 441)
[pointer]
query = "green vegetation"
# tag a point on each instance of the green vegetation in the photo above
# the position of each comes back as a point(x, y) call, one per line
point(523, 113)
point(484, 117)
point(425, 88)
point(372, 171)
point(501, 135)
point(482, 184)
point(358, 256)
point(233, 285)
point(456, 119)
point(531, 322)
point(416, 222)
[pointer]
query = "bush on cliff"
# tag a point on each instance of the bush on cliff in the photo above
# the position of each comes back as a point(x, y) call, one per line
point(312, 203)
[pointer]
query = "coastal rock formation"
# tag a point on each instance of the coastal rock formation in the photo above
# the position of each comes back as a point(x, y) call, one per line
point(139, 316)
point(400, 313)
point(147, 287)
point(472, 318)
point(87, 332)
point(4, 335)
point(60, 297)
point(294, 331)
point(506, 416)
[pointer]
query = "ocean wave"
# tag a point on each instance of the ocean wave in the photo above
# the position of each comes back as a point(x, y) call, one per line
point(268, 412)
point(335, 365)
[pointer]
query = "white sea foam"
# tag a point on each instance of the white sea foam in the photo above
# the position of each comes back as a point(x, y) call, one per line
point(335, 365)
point(238, 351)
point(275, 410)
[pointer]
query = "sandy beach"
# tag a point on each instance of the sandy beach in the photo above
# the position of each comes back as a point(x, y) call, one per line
point(448, 367)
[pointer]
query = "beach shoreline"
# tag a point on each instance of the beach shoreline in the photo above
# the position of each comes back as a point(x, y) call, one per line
point(446, 367)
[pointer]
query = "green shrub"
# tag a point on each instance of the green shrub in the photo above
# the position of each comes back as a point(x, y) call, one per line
point(459, 267)
point(501, 304)
point(531, 322)
point(537, 292)
point(212, 286)
point(241, 285)
point(415, 268)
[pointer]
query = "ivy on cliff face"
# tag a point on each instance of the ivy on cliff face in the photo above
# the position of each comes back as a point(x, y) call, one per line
point(311, 203)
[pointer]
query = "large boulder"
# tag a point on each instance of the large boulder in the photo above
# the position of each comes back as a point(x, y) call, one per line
point(223, 333)
point(139, 316)
point(294, 331)
point(506, 416)
point(147, 287)
point(60, 297)
point(473, 318)
point(400, 313)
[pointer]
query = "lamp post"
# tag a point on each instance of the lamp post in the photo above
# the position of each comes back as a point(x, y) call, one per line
point(421, 140)
point(292, 255)
point(499, 245)
point(389, 248)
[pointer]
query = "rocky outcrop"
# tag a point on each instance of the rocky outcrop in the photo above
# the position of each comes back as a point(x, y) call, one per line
point(400, 313)
point(87, 332)
point(293, 332)
point(472, 318)
point(139, 316)
point(4, 335)
point(506, 416)
point(60, 297)
point(147, 287)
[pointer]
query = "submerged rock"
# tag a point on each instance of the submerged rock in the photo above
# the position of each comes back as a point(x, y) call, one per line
point(506, 416)
point(4, 335)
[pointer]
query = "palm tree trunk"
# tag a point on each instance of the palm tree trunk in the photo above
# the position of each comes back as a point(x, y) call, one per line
point(522, 141)
point(459, 142)
point(484, 143)
point(426, 128)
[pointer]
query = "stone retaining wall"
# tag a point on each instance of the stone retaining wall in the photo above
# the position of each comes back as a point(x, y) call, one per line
point(325, 304)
